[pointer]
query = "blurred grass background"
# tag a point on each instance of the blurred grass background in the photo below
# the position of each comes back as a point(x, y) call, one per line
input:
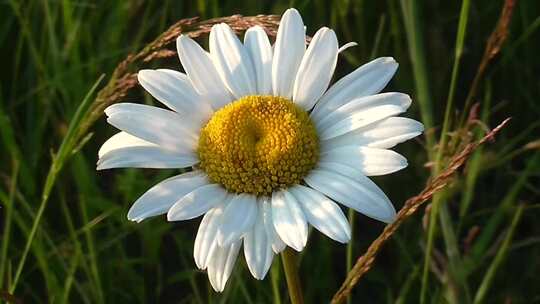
point(482, 245)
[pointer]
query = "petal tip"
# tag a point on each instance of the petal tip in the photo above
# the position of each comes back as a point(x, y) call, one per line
point(421, 127)
point(390, 62)
point(296, 247)
point(182, 37)
point(109, 109)
point(144, 73)
point(388, 59)
point(390, 218)
point(134, 219)
point(131, 216)
point(254, 28)
point(181, 42)
point(347, 45)
point(291, 10)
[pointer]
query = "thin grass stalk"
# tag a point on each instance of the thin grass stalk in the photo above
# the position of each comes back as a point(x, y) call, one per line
point(438, 199)
point(493, 47)
point(474, 167)
point(488, 232)
point(499, 258)
point(78, 251)
point(43, 262)
point(364, 263)
point(405, 287)
point(243, 288)
point(27, 34)
point(63, 154)
point(460, 39)
point(92, 254)
point(70, 278)
point(378, 37)
point(457, 287)
point(9, 219)
point(413, 31)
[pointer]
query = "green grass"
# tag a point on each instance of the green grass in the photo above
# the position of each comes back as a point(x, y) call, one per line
point(64, 233)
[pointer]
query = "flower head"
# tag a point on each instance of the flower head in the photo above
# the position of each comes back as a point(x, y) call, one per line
point(271, 147)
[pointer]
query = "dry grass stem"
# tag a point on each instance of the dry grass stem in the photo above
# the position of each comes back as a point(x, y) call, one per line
point(124, 76)
point(493, 46)
point(364, 263)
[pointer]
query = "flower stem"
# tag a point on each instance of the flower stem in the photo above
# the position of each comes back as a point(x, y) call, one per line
point(291, 274)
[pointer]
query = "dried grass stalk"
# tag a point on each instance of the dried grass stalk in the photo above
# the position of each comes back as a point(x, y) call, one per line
point(364, 263)
point(124, 76)
point(494, 45)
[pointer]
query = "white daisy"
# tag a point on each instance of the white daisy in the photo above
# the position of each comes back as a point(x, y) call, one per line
point(270, 147)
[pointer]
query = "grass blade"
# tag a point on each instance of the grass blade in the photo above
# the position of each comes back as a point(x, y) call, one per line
point(499, 258)
point(64, 152)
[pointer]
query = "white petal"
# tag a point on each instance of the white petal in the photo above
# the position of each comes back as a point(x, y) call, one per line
point(266, 205)
point(346, 46)
point(165, 128)
point(322, 213)
point(383, 134)
point(206, 239)
point(316, 69)
point(289, 220)
point(122, 140)
point(238, 217)
point(258, 248)
point(371, 161)
point(202, 73)
point(288, 52)
point(359, 120)
point(221, 265)
point(197, 202)
point(368, 79)
point(259, 48)
point(123, 150)
point(363, 106)
point(162, 196)
point(232, 61)
point(146, 157)
point(361, 193)
point(174, 90)
point(342, 169)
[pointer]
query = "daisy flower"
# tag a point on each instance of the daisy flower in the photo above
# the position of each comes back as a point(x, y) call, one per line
point(271, 148)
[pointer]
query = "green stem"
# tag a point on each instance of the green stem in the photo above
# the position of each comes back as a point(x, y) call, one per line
point(9, 219)
point(439, 198)
point(64, 152)
point(415, 41)
point(291, 274)
point(275, 277)
point(499, 258)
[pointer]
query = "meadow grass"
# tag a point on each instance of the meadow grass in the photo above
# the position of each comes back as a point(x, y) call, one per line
point(64, 233)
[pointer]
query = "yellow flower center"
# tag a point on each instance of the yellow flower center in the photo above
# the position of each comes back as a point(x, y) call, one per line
point(258, 144)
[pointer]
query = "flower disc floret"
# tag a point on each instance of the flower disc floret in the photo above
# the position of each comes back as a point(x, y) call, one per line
point(258, 144)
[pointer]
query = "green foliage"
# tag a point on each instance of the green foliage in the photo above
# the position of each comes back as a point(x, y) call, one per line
point(64, 233)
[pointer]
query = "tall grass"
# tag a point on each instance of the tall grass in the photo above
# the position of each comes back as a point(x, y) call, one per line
point(64, 233)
